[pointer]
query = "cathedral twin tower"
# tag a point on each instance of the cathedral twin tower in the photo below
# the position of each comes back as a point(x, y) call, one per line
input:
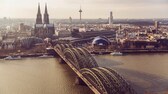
point(39, 16)
point(43, 29)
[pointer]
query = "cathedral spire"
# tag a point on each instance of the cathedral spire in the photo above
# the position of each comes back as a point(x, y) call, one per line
point(39, 11)
point(46, 16)
point(46, 11)
point(39, 18)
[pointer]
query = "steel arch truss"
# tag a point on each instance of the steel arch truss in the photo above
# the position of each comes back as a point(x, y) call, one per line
point(61, 47)
point(80, 58)
point(107, 81)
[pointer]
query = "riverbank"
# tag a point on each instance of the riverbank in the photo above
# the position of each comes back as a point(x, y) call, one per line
point(33, 52)
point(26, 55)
point(143, 51)
point(129, 51)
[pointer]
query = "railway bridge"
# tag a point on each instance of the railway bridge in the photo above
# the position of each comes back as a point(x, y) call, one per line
point(100, 80)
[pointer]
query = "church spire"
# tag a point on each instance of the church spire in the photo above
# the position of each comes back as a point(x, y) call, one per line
point(39, 18)
point(39, 11)
point(46, 11)
point(46, 16)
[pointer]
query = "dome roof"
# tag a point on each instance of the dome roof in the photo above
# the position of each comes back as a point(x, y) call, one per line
point(100, 41)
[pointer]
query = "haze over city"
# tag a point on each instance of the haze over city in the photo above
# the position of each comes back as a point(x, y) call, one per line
point(62, 9)
point(83, 47)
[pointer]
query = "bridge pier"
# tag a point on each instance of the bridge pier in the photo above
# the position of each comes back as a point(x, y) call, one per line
point(52, 52)
point(79, 81)
point(60, 60)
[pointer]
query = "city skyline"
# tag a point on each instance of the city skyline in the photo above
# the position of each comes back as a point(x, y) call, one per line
point(62, 9)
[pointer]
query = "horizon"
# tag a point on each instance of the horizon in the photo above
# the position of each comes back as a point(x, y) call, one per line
point(89, 18)
point(63, 9)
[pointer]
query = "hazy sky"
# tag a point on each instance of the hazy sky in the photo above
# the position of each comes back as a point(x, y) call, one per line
point(91, 8)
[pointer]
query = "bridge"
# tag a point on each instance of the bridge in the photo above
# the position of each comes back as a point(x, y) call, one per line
point(100, 80)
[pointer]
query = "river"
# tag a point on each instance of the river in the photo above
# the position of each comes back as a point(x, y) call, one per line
point(147, 73)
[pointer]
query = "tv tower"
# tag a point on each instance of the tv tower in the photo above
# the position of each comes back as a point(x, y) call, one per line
point(80, 11)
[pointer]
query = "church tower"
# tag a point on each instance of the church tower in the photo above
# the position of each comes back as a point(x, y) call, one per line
point(43, 29)
point(39, 18)
point(46, 16)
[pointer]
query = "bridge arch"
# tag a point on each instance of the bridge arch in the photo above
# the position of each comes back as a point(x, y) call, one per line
point(61, 47)
point(78, 59)
point(107, 81)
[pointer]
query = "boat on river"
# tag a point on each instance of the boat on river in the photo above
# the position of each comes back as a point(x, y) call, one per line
point(116, 53)
point(46, 56)
point(12, 58)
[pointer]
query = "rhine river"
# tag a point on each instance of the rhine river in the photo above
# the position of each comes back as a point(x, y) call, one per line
point(147, 73)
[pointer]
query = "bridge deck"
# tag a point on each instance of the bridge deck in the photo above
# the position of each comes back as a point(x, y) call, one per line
point(78, 73)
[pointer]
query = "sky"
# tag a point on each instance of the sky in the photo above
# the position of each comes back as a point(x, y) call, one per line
point(93, 9)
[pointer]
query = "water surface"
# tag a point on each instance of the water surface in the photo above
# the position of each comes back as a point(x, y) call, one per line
point(38, 76)
point(147, 73)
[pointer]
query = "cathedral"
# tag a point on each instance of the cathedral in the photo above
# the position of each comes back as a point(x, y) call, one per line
point(43, 29)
